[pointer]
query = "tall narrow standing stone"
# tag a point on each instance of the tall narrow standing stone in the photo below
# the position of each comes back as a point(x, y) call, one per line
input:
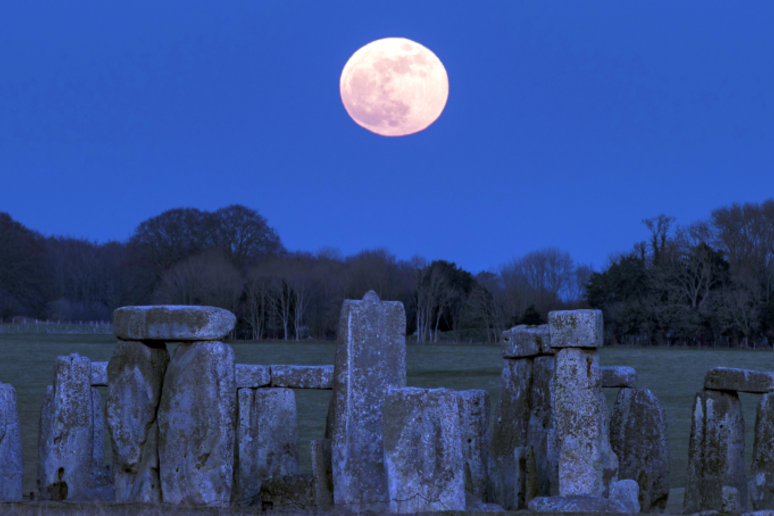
point(11, 468)
point(135, 375)
point(541, 434)
point(638, 434)
point(370, 359)
point(474, 435)
point(715, 451)
point(197, 418)
point(762, 469)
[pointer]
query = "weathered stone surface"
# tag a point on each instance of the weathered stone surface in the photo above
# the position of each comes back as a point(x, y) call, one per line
point(587, 463)
point(759, 513)
point(730, 500)
point(474, 435)
point(473, 503)
point(102, 478)
point(196, 419)
point(99, 377)
point(638, 434)
point(587, 504)
point(11, 467)
point(762, 468)
point(423, 455)
point(619, 376)
point(541, 434)
point(302, 377)
point(627, 492)
point(172, 323)
point(740, 380)
point(526, 341)
point(135, 376)
point(512, 415)
point(267, 439)
point(576, 328)
point(715, 451)
point(370, 358)
point(288, 492)
point(322, 484)
point(252, 376)
point(66, 438)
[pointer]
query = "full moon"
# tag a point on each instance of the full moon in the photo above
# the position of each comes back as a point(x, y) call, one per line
point(394, 87)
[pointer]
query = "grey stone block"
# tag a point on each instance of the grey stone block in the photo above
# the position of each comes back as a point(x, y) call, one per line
point(587, 463)
point(762, 468)
point(730, 496)
point(135, 375)
point(585, 504)
point(99, 377)
point(541, 432)
point(715, 451)
point(740, 380)
point(422, 450)
point(197, 418)
point(252, 376)
point(619, 376)
point(288, 492)
point(638, 434)
point(526, 341)
point(321, 471)
point(172, 323)
point(302, 377)
point(370, 358)
point(576, 328)
point(11, 466)
point(627, 492)
point(474, 435)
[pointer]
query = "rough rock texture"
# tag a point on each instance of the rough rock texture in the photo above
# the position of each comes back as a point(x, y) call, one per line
point(302, 377)
point(102, 478)
point(619, 376)
point(172, 323)
point(196, 419)
point(512, 415)
point(740, 380)
point(135, 376)
point(11, 467)
point(526, 341)
point(762, 468)
point(321, 472)
point(587, 504)
point(638, 434)
point(715, 451)
point(627, 492)
point(288, 492)
point(370, 358)
point(587, 463)
point(422, 450)
point(99, 377)
point(474, 435)
point(730, 500)
point(267, 439)
point(66, 435)
point(541, 434)
point(576, 328)
point(252, 376)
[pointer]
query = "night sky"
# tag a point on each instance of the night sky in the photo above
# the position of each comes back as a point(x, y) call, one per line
point(567, 122)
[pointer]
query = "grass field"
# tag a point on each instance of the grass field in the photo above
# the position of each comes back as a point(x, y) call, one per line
point(674, 375)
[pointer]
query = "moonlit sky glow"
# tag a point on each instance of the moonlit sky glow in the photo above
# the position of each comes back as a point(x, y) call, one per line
point(567, 123)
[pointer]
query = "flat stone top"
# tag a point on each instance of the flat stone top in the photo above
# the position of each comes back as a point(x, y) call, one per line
point(172, 323)
point(740, 380)
point(576, 328)
point(526, 341)
point(618, 376)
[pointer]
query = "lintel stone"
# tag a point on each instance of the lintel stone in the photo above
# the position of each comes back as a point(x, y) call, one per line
point(740, 380)
point(526, 341)
point(619, 376)
point(302, 377)
point(576, 328)
point(252, 376)
point(99, 376)
point(172, 323)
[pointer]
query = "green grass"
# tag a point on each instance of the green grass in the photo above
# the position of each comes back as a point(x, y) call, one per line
point(673, 375)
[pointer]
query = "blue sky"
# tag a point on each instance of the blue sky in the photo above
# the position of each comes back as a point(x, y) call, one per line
point(567, 122)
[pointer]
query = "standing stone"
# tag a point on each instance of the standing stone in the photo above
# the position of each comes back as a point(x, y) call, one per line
point(99, 376)
point(196, 418)
point(102, 486)
point(510, 431)
point(541, 434)
point(321, 472)
point(135, 375)
point(762, 469)
point(370, 359)
point(474, 435)
point(715, 451)
point(266, 438)
point(66, 441)
point(627, 492)
point(11, 467)
point(638, 434)
point(422, 450)
point(587, 463)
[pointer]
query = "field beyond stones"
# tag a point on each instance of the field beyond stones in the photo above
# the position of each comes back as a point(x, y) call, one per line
point(674, 375)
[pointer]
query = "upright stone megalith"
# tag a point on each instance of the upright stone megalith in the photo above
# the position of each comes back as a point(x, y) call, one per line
point(762, 468)
point(370, 359)
point(197, 418)
point(135, 376)
point(474, 435)
point(11, 467)
point(541, 433)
